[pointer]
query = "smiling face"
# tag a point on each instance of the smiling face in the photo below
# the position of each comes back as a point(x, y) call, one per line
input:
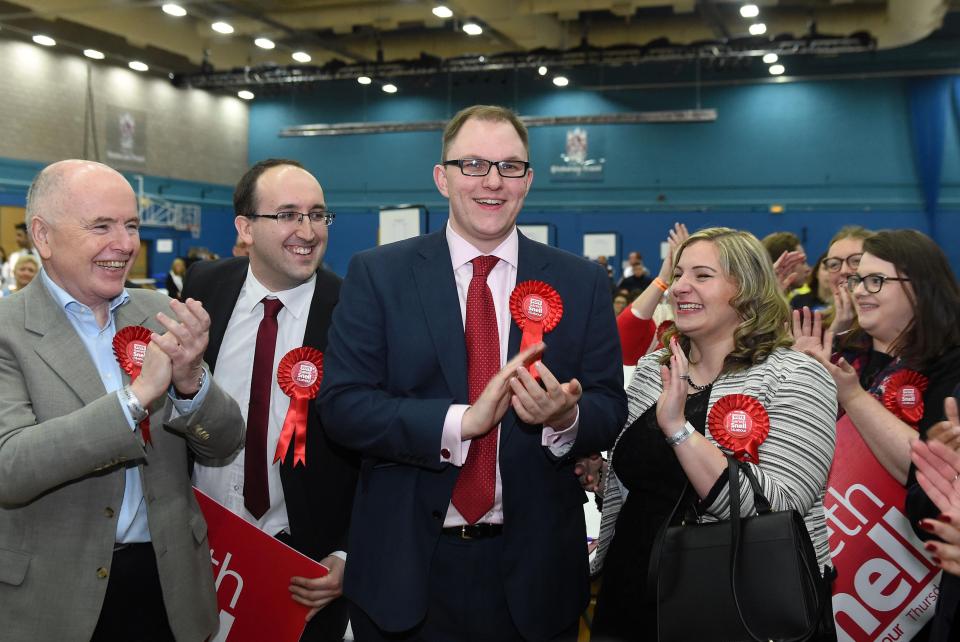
point(88, 235)
point(843, 249)
point(24, 272)
point(887, 313)
point(283, 256)
point(701, 294)
point(483, 209)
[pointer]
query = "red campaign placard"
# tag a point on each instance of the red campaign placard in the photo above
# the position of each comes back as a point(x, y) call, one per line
point(886, 586)
point(253, 571)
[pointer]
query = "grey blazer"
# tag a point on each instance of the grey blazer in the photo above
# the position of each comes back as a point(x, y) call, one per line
point(64, 445)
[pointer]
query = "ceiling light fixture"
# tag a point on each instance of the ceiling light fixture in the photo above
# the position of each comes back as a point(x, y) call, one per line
point(472, 29)
point(222, 27)
point(136, 65)
point(770, 58)
point(46, 41)
point(442, 11)
point(758, 29)
point(389, 88)
point(776, 70)
point(542, 70)
point(364, 80)
point(301, 56)
point(93, 53)
point(174, 10)
point(246, 95)
point(749, 11)
point(561, 81)
point(264, 43)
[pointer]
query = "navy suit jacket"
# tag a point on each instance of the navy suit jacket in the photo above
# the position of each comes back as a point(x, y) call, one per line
point(395, 362)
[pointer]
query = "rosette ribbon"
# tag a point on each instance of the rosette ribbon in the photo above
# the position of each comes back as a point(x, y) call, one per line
point(130, 347)
point(299, 376)
point(740, 424)
point(903, 395)
point(536, 309)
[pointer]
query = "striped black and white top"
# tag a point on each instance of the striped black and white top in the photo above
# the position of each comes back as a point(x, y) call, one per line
point(800, 398)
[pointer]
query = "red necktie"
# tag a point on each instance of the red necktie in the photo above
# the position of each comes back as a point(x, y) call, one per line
point(256, 493)
point(473, 494)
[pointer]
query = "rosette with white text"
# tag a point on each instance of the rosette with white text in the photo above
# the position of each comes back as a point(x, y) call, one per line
point(740, 424)
point(299, 376)
point(130, 347)
point(536, 309)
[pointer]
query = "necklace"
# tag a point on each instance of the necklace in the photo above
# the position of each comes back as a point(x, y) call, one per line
point(699, 388)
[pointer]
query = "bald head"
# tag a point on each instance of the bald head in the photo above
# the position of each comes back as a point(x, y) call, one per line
point(52, 189)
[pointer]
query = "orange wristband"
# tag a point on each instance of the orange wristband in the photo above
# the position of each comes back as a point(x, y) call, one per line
point(660, 283)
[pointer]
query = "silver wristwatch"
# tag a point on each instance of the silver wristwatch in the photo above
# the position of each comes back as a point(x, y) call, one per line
point(681, 435)
point(137, 411)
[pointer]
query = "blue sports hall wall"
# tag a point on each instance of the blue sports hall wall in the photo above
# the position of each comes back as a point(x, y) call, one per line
point(832, 153)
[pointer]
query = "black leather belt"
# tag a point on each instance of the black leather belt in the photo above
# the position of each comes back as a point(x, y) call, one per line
point(474, 531)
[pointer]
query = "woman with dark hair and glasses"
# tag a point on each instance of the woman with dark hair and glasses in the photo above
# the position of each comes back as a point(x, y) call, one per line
point(908, 309)
point(894, 372)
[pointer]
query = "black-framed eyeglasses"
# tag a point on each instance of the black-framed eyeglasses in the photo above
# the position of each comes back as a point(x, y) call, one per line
point(296, 218)
point(481, 167)
point(872, 283)
point(834, 263)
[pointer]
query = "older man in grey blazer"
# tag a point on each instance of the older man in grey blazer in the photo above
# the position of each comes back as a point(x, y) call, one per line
point(100, 535)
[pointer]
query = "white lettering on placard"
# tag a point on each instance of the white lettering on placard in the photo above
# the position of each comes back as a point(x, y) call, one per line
point(887, 582)
point(223, 573)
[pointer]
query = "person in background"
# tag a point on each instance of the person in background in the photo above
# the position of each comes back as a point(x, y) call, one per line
point(731, 319)
point(638, 277)
point(178, 268)
point(789, 262)
point(240, 247)
point(24, 246)
point(819, 295)
point(636, 324)
point(620, 301)
point(843, 257)
point(26, 268)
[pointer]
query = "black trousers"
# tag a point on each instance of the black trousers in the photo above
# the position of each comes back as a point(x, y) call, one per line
point(133, 608)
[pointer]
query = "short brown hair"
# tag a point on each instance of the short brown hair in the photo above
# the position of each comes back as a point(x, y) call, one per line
point(780, 242)
point(245, 195)
point(489, 113)
point(850, 232)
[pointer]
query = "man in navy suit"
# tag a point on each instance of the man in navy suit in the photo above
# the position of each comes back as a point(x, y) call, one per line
point(395, 389)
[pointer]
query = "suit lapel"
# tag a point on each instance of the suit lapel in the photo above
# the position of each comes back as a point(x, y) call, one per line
point(59, 346)
point(438, 294)
point(532, 265)
point(219, 304)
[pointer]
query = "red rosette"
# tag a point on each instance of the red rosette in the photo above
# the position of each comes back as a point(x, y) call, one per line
point(536, 309)
point(740, 424)
point(298, 375)
point(903, 395)
point(130, 347)
point(662, 330)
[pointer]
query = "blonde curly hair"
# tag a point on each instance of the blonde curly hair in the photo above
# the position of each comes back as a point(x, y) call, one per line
point(759, 301)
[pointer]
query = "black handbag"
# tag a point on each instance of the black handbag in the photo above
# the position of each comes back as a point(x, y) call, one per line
point(743, 579)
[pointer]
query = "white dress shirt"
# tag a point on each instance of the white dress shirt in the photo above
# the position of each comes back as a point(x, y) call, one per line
point(223, 480)
point(501, 280)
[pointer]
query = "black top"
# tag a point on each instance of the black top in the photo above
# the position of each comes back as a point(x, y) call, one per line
point(647, 466)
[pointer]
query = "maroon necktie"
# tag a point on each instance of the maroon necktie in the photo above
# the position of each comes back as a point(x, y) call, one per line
point(473, 494)
point(256, 493)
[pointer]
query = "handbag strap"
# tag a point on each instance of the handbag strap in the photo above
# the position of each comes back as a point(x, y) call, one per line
point(653, 568)
point(763, 505)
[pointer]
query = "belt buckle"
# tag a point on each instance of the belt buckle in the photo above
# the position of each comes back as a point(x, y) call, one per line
point(464, 532)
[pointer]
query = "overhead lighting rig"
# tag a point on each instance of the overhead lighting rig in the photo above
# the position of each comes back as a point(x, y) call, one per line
point(285, 76)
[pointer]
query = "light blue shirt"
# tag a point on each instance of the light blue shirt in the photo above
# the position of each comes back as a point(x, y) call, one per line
point(132, 520)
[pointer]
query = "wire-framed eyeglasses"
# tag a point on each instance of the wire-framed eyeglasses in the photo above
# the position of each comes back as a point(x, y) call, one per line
point(293, 217)
point(481, 167)
point(872, 283)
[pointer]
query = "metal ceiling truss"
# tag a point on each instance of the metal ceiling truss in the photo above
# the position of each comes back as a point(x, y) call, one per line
point(285, 76)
